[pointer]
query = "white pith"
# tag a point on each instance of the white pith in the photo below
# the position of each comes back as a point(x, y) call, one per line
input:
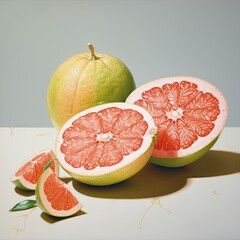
point(104, 137)
point(175, 114)
point(47, 205)
point(147, 140)
point(203, 86)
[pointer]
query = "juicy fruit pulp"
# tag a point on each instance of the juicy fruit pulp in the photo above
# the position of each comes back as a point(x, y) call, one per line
point(86, 80)
point(106, 144)
point(103, 141)
point(27, 175)
point(189, 112)
point(54, 197)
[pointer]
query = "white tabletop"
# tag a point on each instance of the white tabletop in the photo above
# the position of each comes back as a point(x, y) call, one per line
point(199, 201)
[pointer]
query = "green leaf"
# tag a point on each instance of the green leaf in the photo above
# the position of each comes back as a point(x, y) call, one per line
point(47, 165)
point(23, 205)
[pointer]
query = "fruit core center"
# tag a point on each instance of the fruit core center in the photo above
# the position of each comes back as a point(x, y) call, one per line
point(104, 136)
point(175, 114)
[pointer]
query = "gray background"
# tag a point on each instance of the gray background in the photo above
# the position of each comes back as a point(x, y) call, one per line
point(154, 38)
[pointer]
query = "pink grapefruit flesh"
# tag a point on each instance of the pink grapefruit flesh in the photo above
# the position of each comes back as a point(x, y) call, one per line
point(27, 175)
point(54, 197)
point(189, 112)
point(106, 144)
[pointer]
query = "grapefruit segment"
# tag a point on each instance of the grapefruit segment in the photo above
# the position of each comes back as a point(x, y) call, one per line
point(171, 138)
point(121, 143)
point(171, 91)
point(79, 158)
point(157, 98)
point(135, 131)
point(127, 118)
point(110, 155)
point(151, 109)
point(200, 127)
point(90, 123)
point(203, 106)
point(186, 134)
point(54, 197)
point(188, 90)
point(109, 117)
point(189, 112)
point(27, 175)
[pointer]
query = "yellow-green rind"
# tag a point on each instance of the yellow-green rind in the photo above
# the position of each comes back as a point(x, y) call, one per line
point(39, 198)
point(183, 161)
point(38, 195)
point(21, 186)
point(80, 83)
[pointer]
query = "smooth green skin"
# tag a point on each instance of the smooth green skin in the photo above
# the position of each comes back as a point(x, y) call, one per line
point(182, 161)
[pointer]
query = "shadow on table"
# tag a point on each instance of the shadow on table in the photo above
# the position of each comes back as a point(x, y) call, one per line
point(51, 219)
point(25, 193)
point(155, 181)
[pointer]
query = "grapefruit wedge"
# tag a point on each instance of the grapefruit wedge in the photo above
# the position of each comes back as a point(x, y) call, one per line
point(189, 112)
point(27, 175)
point(106, 144)
point(54, 197)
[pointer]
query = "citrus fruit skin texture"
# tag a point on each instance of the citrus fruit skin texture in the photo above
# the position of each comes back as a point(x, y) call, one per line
point(190, 114)
point(26, 176)
point(87, 80)
point(53, 196)
point(106, 144)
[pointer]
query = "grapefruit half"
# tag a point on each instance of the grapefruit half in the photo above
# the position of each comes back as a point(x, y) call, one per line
point(106, 144)
point(54, 197)
point(27, 175)
point(189, 112)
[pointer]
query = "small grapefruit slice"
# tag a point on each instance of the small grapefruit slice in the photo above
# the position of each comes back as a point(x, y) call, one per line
point(54, 197)
point(106, 144)
point(27, 175)
point(189, 112)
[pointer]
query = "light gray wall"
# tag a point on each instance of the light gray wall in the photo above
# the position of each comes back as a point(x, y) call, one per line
point(154, 38)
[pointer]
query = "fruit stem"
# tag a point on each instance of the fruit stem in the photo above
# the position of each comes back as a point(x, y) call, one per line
point(91, 48)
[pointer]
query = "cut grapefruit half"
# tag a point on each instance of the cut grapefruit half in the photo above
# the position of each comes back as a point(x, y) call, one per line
point(54, 197)
point(27, 175)
point(189, 112)
point(106, 144)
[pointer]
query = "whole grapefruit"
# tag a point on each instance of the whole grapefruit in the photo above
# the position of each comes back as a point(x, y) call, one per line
point(86, 80)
